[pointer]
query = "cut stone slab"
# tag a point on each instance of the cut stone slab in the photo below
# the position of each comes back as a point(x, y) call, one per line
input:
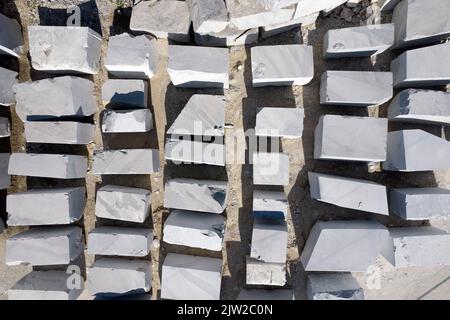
point(203, 115)
point(416, 150)
point(387, 5)
point(420, 247)
point(345, 246)
point(191, 277)
point(119, 276)
point(5, 130)
point(361, 41)
point(350, 138)
point(63, 96)
point(194, 229)
point(8, 79)
point(121, 121)
point(356, 88)
point(349, 193)
point(434, 26)
point(334, 286)
point(5, 179)
point(11, 40)
point(126, 161)
point(196, 195)
point(125, 93)
point(269, 240)
point(44, 285)
point(59, 166)
point(270, 169)
point(265, 273)
point(282, 65)
point(59, 132)
point(45, 246)
point(279, 122)
point(210, 16)
point(277, 28)
point(120, 241)
point(46, 206)
point(198, 67)
point(270, 204)
point(163, 19)
point(132, 57)
point(187, 151)
point(266, 294)
point(420, 106)
point(306, 7)
point(65, 49)
point(123, 203)
point(227, 38)
point(422, 67)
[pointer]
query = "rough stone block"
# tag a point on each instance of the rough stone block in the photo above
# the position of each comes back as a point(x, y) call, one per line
point(265, 273)
point(59, 166)
point(334, 286)
point(350, 138)
point(65, 49)
point(277, 28)
point(194, 229)
point(121, 121)
point(191, 278)
point(8, 79)
point(45, 246)
point(270, 169)
point(59, 132)
point(187, 151)
point(64, 96)
point(125, 93)
point(198, 67)
point(123, 203)
point(282, 65)
point(196, 195)
point(210, 16)
point(387, 5)
point(126, 161)
point(11, 40)
point(5, 130)
point(416, 150)
point(120, 241)
point(5, 179)
point(227, 38)
point(46, 206)
point(270, 204)
point(279, 122)
point(132, 57)
point(269, 240)
point(349, 193)
point(266, 294)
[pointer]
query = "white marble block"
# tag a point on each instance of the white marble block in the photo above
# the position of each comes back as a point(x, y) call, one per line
point(306, 7)
point(282, 65)
point(270, 169)
point(279, 122)
point(333, 286)
point(265, 273)
point(11, 39)
point(194, 229)
point(45, 246)
point(208, 16)
point(187, 277)
point(350, 138)
point(5, 179)
point(8, 79)
point(277, 28)
point(198, 67)
point(266, 294)
point(60, 49)
point(187, 151)
point(126, 161)
point(227, 38)
point(59, 132)
point(46, 206)
point(270, 204)
point(269, 240)
point(125, 93)
point(5, 130)
point(123, 203)
point(122, 121)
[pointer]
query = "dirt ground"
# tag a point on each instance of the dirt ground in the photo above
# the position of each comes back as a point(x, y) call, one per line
point(166, 103)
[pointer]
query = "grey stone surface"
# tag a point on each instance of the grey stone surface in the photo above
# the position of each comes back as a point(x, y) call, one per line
point(266, 294)
point(416, 150)
point(5, 130)
point(198, 67)
point(60, 166)
point(270, 169)
point(208, 16)
point(163, 19)
point(422, 67)
point(277, 28)
point(282, 65)
point(356, 88)
point(64, 96)
point(46, 206)
point(8, 79)
point(196, 195)
point(11, 40)
point(45, 246)
point(119, 276)
point(270, 204)
point(125, 93)
point(345, 246)
point(186, 277)
point(123, 203)
point(363, 195)
point(361, 41)
point(187, 151)
point(59, 132)
point(120, 241)
point(194, 229)
point(44, 285)
point(265, 273)
point(120, 121)
point(228, 38)
point(126, 161)
point(203, 115)
point(420, 203)
point(61, 49)
point(132, 57)
point(306, 7)
point(280, 122)
point(269, 240)
point(5, 179)
point(350, 138)
point(387, 5)
point(434, 17)
point(421, 106)
point(333, 286)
